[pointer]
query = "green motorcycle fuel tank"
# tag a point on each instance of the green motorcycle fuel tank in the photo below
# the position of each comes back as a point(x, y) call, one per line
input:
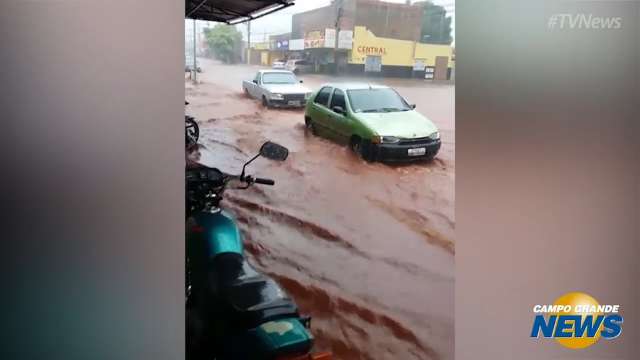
point(213, 233)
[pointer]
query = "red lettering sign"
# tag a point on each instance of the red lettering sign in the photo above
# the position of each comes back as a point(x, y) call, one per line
point(372, 50)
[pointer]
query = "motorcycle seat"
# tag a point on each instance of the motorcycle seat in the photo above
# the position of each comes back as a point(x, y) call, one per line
point(250, 297)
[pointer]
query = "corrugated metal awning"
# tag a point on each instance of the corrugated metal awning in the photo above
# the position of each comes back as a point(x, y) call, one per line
point(232, 11)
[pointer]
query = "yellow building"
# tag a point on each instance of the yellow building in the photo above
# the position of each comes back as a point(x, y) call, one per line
point(259, 54)
point(397, 57)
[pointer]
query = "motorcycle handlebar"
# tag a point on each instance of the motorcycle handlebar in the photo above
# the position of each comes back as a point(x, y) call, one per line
point(264, 181)
point(247, 180)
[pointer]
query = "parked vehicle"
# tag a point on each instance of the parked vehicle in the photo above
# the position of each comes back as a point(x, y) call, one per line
point(374, 120)
point(277, 88)
point(189, 66)
point(299, 66)
point(233, 311)
point(278, 64)
point(192, 130)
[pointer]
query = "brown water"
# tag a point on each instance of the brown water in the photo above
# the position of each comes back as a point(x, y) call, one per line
point(367, 249)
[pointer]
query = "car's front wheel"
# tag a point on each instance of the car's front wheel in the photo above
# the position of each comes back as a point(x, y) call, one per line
point(265, 102)
point(361, 147)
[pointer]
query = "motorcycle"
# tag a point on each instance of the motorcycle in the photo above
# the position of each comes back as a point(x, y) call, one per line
point(234, 311)
point(192, 130)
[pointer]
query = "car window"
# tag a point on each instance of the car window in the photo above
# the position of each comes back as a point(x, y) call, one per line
point(257, 78)
point(338, 99)
point(323, 96)
point(279, 78)
point(376, 100)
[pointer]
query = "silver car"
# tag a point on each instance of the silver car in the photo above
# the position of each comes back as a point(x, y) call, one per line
point(278, 64)
point(299, 66)
point(277, 88)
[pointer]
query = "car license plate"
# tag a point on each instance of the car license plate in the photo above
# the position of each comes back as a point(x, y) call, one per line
point(294, 103)
point(417, 151)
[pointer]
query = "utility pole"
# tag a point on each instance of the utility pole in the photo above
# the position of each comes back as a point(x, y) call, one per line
point(442, 24)
point(339, 5)
point(249, 42)
point(195, 63)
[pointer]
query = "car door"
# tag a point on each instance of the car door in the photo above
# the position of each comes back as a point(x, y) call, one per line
point(339, 121)
point(320, 110)
point(254, 89)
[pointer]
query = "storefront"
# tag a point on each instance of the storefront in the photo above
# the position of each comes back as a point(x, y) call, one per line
point(279, 47)
point(324, 48)
point(391, 57)
point(259, 54)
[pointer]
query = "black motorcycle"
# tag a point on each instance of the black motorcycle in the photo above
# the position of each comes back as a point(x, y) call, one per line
point(192, 130)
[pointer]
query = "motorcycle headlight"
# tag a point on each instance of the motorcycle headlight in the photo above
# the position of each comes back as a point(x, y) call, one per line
point(277, 96)
point(434, 136)
point(385, 140)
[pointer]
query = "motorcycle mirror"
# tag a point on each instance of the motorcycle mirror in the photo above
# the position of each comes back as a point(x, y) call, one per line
point(274, 151)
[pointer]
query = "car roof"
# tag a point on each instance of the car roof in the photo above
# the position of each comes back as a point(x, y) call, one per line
point(274, 71)
point(355, 85)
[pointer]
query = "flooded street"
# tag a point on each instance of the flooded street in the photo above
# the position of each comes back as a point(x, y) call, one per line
point(367, 249)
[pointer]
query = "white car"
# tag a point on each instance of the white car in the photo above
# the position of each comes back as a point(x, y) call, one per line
point(278, 64)
point(299, 66)
point(277, 88)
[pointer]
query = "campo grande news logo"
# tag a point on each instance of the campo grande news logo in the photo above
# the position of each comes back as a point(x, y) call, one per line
point(576, 320)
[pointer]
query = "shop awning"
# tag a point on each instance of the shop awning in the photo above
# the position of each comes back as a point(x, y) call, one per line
point(232, 11)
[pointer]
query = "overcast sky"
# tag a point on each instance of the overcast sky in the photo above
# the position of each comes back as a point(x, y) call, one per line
point(280, 22)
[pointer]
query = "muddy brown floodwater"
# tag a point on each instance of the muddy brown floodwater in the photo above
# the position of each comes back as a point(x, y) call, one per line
point(367, 249)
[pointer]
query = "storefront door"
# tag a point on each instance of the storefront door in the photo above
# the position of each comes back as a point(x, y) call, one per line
point(442, 65)
point(373, 63)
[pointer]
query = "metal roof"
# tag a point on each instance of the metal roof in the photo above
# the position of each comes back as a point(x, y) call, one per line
point(232, 11)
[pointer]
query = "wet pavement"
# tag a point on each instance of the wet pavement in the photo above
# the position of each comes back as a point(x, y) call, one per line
point(367, 249)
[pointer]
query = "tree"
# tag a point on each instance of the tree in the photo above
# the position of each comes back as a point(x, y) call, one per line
point(224, 42)
point(436, 26)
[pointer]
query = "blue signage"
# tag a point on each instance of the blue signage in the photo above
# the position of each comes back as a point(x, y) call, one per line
point(282, 45)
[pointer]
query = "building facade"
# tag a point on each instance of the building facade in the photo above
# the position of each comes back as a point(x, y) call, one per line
point(369, 37)
point(391, 20)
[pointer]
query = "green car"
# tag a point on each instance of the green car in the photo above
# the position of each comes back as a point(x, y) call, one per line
point(374, 120)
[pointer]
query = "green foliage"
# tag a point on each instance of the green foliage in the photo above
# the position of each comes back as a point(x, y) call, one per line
point(224, 42)
point(436, 26)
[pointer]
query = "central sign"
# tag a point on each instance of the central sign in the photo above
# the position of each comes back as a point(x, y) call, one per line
point(371, 50)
